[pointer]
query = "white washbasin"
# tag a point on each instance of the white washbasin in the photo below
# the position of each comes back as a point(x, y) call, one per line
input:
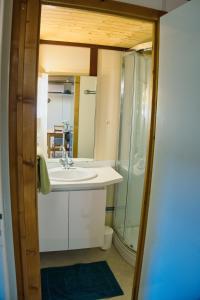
point(72, 174)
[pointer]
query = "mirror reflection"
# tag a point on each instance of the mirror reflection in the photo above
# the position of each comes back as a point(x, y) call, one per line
point(67, 120)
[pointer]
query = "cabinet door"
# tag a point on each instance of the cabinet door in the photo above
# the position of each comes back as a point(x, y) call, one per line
point(86, 218)
point(53, 221)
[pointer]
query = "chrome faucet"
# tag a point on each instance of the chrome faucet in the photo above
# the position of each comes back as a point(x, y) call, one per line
point(65, 161)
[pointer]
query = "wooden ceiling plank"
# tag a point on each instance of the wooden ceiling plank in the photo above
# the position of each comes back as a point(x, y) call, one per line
point(78, 26)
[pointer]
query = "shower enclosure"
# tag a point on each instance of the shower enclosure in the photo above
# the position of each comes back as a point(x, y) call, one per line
point(133, 145)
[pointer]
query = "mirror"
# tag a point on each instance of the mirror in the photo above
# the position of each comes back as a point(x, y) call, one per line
point(66, 115)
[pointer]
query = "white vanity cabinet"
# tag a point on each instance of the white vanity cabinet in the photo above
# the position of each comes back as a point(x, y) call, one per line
point(86, 218)
point(71, 220)
point(53, 221)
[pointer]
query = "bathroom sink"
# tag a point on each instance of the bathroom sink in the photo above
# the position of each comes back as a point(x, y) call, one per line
point(71, 174)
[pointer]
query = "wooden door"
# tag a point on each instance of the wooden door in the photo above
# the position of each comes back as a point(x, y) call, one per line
point(172, 258)
point(22, 145)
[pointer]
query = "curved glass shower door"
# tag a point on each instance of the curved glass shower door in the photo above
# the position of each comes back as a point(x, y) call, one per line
point(124, 142)
point(133, 145)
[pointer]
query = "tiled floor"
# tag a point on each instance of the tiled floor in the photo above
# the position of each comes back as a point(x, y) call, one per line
point(122, 271)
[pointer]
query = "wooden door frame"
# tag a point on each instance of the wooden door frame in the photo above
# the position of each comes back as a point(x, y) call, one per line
point(22, 133)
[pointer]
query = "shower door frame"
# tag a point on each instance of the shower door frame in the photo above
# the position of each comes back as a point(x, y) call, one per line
point(22, 132)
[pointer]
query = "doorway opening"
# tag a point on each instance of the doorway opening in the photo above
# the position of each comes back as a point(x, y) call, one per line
point(108, 50)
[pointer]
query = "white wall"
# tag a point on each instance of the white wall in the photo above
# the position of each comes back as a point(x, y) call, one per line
point(7, 265)
point(165, 5)
point(108, 104)
point(172, 251)
point(60, 108)
point(64, 60)
point(173, 4)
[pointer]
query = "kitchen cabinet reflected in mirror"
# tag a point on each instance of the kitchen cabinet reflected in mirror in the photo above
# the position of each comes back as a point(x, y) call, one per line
point(66, 115)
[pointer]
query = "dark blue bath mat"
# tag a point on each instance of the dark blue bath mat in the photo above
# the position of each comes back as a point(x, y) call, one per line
point(79, 282)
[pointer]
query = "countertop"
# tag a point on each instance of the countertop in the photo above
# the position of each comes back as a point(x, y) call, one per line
point(105, 176)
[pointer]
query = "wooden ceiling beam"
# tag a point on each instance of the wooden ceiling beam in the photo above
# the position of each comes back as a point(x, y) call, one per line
point(93, 61)
point(111, 7)
point(81, 45)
